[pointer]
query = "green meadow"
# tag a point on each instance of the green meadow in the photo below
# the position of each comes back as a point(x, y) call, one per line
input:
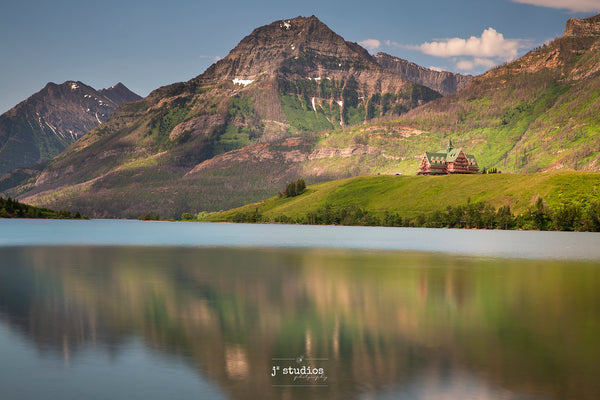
point(416, 196)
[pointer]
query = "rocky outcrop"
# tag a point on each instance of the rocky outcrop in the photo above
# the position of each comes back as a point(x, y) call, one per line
point(291, 150)
point(331, 152)
point(443, 82)
point(583, 27)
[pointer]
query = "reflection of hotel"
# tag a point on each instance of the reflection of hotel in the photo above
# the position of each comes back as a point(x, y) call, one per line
point(448, 161)
point(236, 362)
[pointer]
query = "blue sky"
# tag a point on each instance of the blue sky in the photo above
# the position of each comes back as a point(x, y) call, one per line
point(150, 43)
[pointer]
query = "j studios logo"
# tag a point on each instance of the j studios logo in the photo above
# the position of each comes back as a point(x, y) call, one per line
point(299, 371)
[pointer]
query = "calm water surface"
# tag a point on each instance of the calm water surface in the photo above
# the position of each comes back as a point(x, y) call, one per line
point(127, 310)
point(495, 243)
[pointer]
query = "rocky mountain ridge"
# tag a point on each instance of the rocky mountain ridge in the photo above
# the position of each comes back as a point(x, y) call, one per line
point(583, 27)
point(301, 65)
point(536, 113)
point(40, 127)
point(443, 82)
point(119, 94)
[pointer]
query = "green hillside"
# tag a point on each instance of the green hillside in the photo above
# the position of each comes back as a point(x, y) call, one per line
point(415, 196)
point(537, 113)
point(10, 208)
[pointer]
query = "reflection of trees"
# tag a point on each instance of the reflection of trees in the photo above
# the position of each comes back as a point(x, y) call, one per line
point(380, 318)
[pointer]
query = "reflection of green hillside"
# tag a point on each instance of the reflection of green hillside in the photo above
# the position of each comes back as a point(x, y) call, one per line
point(381, 318)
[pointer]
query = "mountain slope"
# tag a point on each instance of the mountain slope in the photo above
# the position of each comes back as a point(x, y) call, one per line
point(311, 79)
point(443, 82)
point(291, 77)
point(40, 127)
point(537, 113)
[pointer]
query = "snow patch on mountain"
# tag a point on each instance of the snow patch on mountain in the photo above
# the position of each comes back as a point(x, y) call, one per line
point(244, 82)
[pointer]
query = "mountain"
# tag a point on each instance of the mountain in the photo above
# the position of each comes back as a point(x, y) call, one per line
point(443, 82)
point(309, 78)
point(537, 113)
point(119, 94)
point(42, 126)
point(291, 77)
point(270, 113)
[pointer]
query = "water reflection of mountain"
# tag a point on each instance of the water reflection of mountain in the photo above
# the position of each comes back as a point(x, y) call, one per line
point(385, 321)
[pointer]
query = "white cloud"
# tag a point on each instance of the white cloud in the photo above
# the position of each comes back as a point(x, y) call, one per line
point(390, 43)
point(438, 69)
point(470, 65)
point(465, 65)
point(370, 44)
point(571, 5)
point(491, 44)
point(485, 62)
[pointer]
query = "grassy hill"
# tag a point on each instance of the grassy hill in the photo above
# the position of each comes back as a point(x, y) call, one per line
point(414, 196)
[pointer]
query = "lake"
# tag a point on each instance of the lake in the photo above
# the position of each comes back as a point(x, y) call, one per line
point(108, 309)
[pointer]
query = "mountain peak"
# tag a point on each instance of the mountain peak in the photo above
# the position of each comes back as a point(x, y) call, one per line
point(583, 27)
point(118, 85)
point(41, 126)
point(269, 46)
point(65, 84)
point(119, 94)
point(298, 22)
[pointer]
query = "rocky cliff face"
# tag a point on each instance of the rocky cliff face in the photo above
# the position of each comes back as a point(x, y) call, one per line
point(323, 73)
point(583, 27)
point(40, 127)
point(266, 49)
point(443, 82)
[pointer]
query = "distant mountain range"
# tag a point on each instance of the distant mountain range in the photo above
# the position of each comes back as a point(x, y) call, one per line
point(293, 99)
point(42, 126)
point(443, 82)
